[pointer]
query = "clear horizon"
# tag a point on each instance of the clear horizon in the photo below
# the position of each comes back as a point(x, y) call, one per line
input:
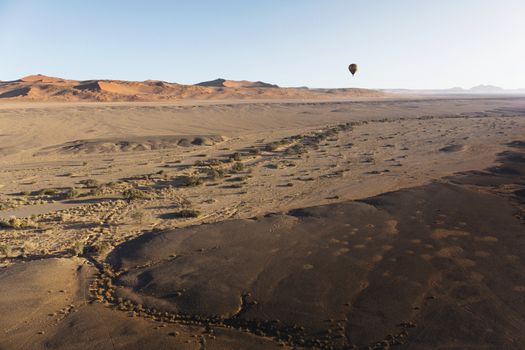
point(409, 44)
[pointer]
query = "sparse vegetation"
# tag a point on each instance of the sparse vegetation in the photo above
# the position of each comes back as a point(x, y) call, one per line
point(134, 194)
point(16, 223)
point(298, 148)
point(272, 146)
point(235, 156)
point(189, 181)
point(209, 162)
point(6, 250)
point(72, 193)
point(237, 167)
point(78, 248)
point(89, 183)
point(215, 173)
point(96, 191)
point(100, 248)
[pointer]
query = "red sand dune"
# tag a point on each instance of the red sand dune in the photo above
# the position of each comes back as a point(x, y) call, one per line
point(43, 88)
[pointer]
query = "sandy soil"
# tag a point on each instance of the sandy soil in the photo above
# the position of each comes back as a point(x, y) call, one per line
point(425, 234)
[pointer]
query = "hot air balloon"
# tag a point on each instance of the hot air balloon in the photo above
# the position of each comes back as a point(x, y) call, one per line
point(352, 68)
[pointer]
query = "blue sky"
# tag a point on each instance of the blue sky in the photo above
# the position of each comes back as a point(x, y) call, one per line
point(396, 43)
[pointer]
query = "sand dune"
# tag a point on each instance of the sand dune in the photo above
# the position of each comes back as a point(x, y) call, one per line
point(43, 88)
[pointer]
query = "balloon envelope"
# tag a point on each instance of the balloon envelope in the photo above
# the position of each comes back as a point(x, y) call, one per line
point(352, 68)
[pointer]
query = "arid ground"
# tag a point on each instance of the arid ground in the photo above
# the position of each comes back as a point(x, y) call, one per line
point(371, 223)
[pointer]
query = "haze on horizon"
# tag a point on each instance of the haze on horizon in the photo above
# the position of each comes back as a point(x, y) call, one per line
point(401, 44)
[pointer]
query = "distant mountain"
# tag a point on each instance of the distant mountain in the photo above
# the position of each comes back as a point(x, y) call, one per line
point(236, 84)
point(487, 89)
point(479, 89)
point(43, 88)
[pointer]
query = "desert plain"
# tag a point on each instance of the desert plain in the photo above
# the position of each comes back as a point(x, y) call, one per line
point(227, 219)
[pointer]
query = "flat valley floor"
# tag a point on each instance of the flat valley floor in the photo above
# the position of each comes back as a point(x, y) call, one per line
point(367, 224)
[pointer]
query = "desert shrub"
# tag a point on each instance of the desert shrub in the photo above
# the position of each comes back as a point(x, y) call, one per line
point(237, 167)
point(96, 191)
point(184, 143)
point(296, 149)
point(189, 181)
point(89, 183)
point(6, 250)
point(78, 248)
point(272, 146)
point(235, 156)
point(214, 162)
point(134, 193)
point(4, 206)
point(16, 223)
point(100, 248)
point(48, 192)
point(71, 193)
point(187, 213)
point(215, 173)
